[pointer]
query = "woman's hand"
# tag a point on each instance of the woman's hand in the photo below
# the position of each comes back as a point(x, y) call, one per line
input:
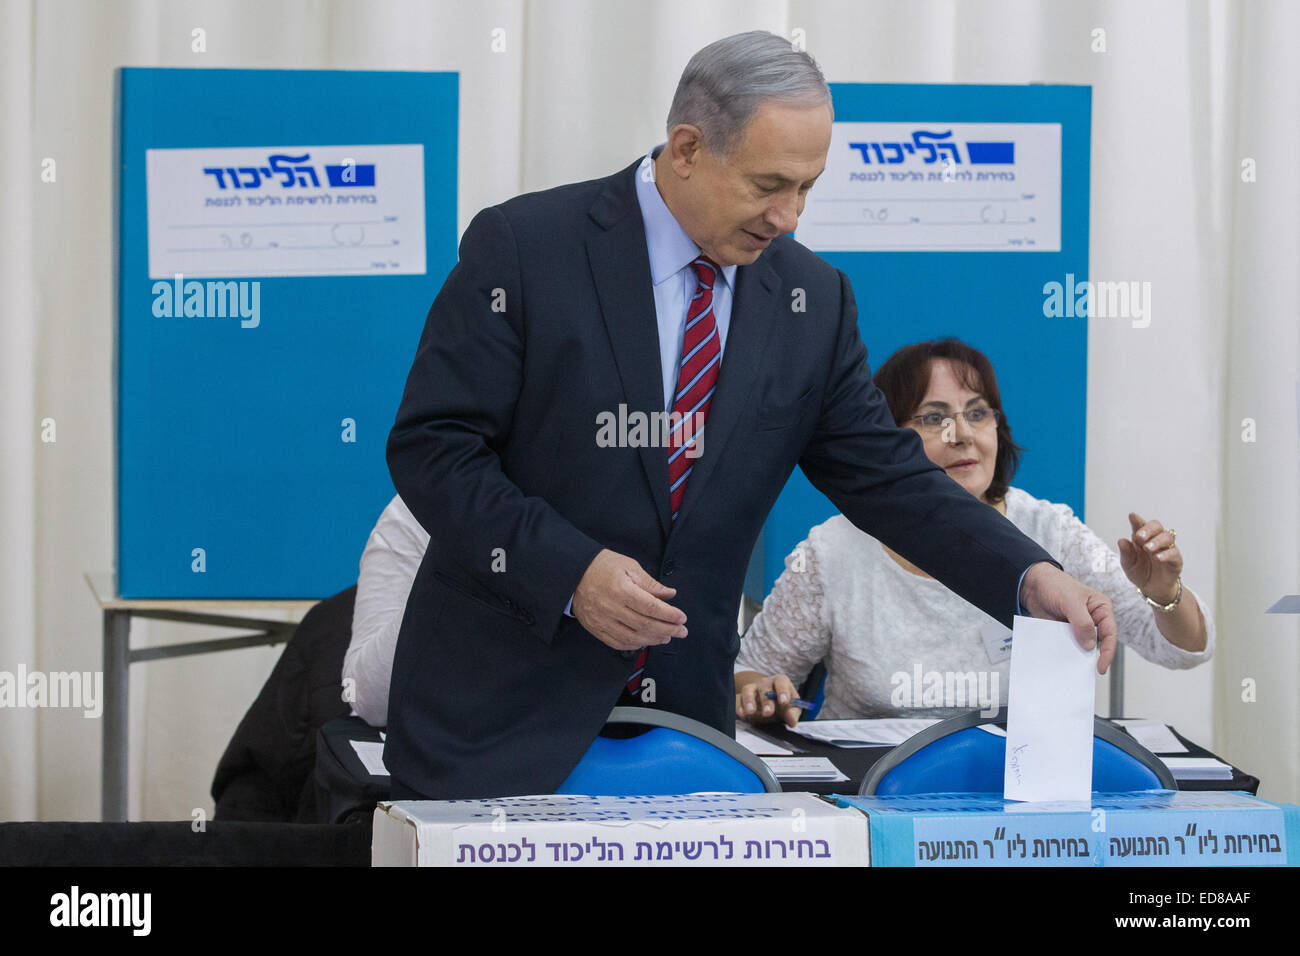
point(1153, 563)
point(1150, 559)
point(753, 704)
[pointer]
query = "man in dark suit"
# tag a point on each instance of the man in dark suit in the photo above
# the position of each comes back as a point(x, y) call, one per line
point(578, 554)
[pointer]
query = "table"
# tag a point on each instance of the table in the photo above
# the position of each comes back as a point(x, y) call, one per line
point(119, 656)
point(345, 788)
point(856, 762)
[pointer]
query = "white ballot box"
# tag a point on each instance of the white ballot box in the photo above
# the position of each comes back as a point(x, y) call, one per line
point(703, 829)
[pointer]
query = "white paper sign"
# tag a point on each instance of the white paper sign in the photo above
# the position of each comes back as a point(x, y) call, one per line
point(1197, 768)
point(1049, 713)
point(937, 186)
point(759, 745)
point(805, 769)
point(286, 211)
point(997, 641)
point(864, 732)
point(1155, 736)
point(371, 753)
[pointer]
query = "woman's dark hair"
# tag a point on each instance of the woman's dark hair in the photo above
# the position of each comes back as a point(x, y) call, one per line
point(904, 378)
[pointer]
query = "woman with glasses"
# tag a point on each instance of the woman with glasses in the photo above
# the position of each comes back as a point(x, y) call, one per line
point(894, 640)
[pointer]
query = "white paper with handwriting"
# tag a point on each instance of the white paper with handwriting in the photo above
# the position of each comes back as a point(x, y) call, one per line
point(1049, 713)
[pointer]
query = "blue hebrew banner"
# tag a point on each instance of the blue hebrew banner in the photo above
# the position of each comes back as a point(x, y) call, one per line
point(281, 236)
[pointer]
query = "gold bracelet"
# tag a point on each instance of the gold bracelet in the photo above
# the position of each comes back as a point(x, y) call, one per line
point(1172, 604)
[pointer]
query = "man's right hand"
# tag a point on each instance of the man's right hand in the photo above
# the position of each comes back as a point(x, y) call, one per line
point(622, 606)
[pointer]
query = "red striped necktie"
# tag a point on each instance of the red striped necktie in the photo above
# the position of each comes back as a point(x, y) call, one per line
point(697, 379)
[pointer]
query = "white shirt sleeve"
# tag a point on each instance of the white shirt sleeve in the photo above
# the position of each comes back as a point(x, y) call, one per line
point(792, 632)
point(388, 565)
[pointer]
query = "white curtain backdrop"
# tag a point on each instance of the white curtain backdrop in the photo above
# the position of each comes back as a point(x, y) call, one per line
point(1259, 509)
point(19, 322)
point(1183, 92)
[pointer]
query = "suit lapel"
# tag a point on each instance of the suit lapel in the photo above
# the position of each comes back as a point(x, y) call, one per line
point(620, 268)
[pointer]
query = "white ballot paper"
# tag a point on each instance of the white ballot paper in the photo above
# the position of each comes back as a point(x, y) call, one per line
point(1049, 713)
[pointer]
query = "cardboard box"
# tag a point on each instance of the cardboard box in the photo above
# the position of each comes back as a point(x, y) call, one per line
point(1143, 828)
point(719, 829)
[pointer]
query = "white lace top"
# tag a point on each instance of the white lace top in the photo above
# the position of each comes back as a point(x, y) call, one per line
point(890, 638)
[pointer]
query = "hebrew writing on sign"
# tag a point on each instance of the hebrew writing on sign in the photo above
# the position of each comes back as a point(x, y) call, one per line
point(937, 187)
point(286, 211)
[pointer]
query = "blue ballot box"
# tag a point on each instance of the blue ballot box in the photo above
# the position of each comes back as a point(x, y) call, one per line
point(1143, 828)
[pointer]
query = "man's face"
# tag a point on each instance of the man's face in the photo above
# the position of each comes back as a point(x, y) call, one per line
point(734, 209)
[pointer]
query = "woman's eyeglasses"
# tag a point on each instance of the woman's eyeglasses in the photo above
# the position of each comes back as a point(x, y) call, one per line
point(979, 417)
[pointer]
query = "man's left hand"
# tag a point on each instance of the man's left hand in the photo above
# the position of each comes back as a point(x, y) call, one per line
point(1050, 593)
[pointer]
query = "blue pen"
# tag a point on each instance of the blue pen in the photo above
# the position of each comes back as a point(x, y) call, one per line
point(796, 702)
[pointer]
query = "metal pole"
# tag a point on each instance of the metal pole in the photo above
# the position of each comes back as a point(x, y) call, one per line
point(1117, 683)
point(117, 661)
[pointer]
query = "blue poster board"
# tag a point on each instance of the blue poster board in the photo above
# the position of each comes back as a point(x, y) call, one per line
point(255, 398)
point(993, 300)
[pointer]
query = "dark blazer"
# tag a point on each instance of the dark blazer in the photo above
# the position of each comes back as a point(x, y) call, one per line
point(266, 772)
point(547, 321)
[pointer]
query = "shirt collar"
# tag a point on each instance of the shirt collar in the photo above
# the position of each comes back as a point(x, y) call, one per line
point(671, 250)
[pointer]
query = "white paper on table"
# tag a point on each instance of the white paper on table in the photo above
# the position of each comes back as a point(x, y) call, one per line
point(865, 732)
point(371, 753)
point(1197, 768)
point(759, 746)
point(1156, 737)
point(804, 768)
point(1049, 713)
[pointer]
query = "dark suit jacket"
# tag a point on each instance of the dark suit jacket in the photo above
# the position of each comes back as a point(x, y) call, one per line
point(548, 320)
